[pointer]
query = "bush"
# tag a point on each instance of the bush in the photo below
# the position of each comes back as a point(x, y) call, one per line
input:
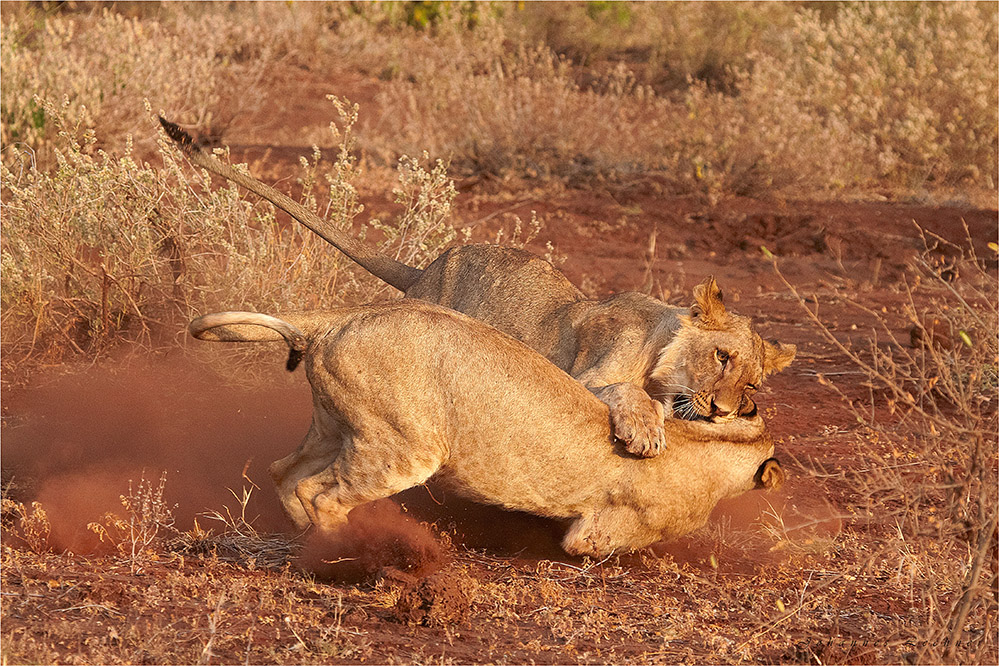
point(715, 98)
point(497, 111)
point(103, 65)
point(875, 95)
point(918, 83)
point(104, 250)
point(929, 472)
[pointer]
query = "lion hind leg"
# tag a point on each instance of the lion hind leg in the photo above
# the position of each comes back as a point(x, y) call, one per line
point(321, 513)
point(359, 476)
point(310, 458)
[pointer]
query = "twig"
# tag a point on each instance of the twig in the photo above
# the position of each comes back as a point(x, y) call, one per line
point(801, 604)
point(496, 213)
point(898, 392)
point(213, 624)
point(984, 542)
point(101, 606)
point(301, 641)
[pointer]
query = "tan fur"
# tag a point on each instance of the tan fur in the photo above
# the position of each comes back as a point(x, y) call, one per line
point(406, 391)
point(629, 349)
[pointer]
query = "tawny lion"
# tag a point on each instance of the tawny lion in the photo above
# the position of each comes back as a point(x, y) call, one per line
point(629, 349)
point(407, 391)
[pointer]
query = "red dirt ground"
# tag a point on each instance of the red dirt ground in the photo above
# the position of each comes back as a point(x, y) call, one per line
point(74, 441)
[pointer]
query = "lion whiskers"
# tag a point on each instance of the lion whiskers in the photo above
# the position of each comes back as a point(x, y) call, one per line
point(668, 397)
point(683, 409)
point(687, 411)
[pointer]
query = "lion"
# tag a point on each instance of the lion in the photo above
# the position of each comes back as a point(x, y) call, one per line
point(407, 391)
point(628, 349)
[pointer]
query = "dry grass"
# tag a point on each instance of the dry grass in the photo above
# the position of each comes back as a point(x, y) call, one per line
point(128, 250)
point(100, 65)
point(744, 124)
point(715, 99)
point(927, 483)
point(205, 607)
point(102, 247)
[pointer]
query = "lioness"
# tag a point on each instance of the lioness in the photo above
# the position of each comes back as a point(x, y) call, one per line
point(407, 390)
point(626, 348)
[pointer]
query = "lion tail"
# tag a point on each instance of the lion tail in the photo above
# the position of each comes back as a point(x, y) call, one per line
point(257, 327)
point(385, 268)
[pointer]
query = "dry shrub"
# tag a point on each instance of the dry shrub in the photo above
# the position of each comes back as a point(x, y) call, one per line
point(931, 493)
point(416, 236)
point(140, 534)
point(102, 65)
point(905, 93)
point(30, 527)
point(495, 110)
point(715, 98)
point(668, 43)
point(235, 538)
point(423, 230)
point(872, 95)
point(917, 82)
point(501, 111)
point(760, 141)
point(104, 249)
point(145, 530)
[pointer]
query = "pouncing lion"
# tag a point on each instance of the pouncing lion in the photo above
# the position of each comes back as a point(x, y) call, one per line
point(630, 350)
point(406, 391)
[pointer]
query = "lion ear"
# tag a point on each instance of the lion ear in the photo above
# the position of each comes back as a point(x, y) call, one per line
point(776, 356)
point(708, 308)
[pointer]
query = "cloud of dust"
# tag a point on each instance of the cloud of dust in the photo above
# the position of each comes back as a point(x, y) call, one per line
point(378, 536)
point(73, 443)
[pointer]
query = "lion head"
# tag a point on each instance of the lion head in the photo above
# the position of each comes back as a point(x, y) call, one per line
point(716, 361)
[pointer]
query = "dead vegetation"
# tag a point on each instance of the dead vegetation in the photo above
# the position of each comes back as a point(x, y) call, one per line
point(128, 250)
point(884, 548)
point(933, 406)
point(717, 100)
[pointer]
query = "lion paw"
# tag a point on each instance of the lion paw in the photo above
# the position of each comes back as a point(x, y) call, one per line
point(646, 445)
point(637, 419)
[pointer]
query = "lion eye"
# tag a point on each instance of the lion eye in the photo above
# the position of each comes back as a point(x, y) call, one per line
point(722, 356)
point(752, 388)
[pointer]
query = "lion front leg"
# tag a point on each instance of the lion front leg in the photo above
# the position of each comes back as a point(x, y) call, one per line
point(636, 419)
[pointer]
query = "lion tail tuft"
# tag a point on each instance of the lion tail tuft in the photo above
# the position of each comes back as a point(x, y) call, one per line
point(180, 137)
point(295, 357)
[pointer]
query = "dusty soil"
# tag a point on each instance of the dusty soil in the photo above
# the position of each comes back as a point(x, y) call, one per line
point(478, 585)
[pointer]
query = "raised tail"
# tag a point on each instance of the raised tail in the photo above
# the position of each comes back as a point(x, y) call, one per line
point(396, 273)
point(251, 327)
